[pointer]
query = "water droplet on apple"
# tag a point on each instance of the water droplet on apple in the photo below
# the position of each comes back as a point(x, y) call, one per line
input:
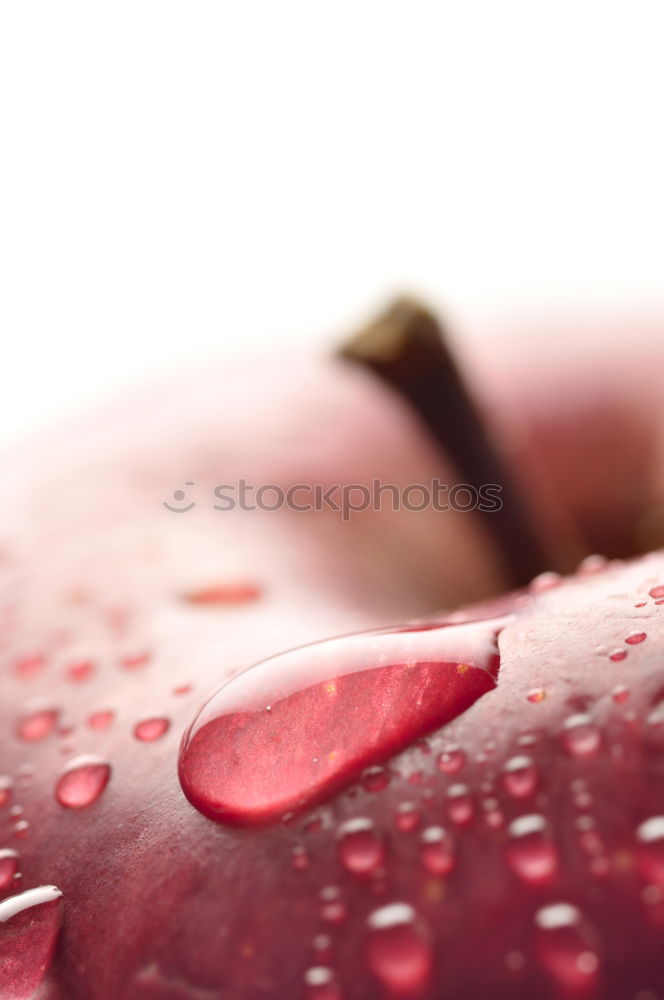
point(531, 854)
point(81, 671)
point(460, 806)
point(657, 592)
point(635, 638)
point(101, 719)
point(399, 952)
point(650, 838)
point(361, 849)
point(29, 927)
point(545, 581)
point(8, 867)
point(620, 694)
point(451, 760)
point(320, 984)
point(333, 908)
point(580, 736)
point(564, 948)
point(375, 779)
point(617, 655)
point(82, 782)
point(6, 788)
point(336, 708)
point(407, 817)
point(437, 851)
point(148, 730)
point(38, 724)
point(536, 695)
point(520, 776)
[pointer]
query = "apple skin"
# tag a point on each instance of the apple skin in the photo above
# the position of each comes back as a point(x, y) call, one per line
point(160, 903)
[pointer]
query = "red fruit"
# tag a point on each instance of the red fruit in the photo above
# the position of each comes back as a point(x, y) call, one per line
point(512, 846)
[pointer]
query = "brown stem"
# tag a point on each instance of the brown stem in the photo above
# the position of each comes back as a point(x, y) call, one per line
point(407, 348)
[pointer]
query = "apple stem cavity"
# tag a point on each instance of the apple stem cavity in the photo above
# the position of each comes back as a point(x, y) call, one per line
point(407, 348)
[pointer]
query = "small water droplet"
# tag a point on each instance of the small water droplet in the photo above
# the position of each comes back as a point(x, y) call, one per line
point(520, 776)
point(21, 829)
point(592, 564)
point(322, 946)
point(565, 949)
point(135, 661)
point(620, 694)
point(148, 730)
point(29, 927)
point(101, 719)
point(451, 760)
point(183, 689)
point(531, 853)
point(333, 908)
point(580, 736)
point(617, 655)
point(650, 838)
point(337, 707)
point(81, 671)
point(399, 952)
point(361, 849)
point(407, 817)
point(38, 724)
point(219, 594)
point(8, 867)
point(545, 581)
point(320, 984)
point(300, 858)
point(437, 851)
point(536, 695)
point(635, 638)
point(375, 779)
point(657, 592)
point(460, 806)
point(29, 665)
point(82, 782)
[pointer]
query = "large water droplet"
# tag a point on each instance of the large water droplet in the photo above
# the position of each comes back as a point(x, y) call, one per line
point(82, 782)
point(361, 848)
point(297, 727)
point(531, 854)
point(460, 806)
point(29, 927)
point(650, 837)
point(399, 950)
point(565, 949)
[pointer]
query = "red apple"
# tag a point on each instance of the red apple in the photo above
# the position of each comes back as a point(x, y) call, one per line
point(515, 850)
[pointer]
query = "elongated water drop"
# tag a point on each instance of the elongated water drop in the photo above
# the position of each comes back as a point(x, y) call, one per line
point(361, 848)
point(531, 854)
point(82, 782)
point(297, 727)
point(565, 948)
point(399, 952)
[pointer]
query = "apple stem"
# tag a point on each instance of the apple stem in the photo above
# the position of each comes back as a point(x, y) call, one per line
point(407, 348)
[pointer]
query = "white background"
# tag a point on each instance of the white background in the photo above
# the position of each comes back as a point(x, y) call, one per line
point(187, 179)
